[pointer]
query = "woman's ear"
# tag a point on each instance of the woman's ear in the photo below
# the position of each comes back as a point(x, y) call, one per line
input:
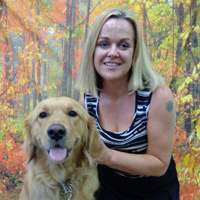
point(94, 141)
point(28, 146)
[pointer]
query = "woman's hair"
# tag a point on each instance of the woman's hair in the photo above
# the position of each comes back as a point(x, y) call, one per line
point(142, 75)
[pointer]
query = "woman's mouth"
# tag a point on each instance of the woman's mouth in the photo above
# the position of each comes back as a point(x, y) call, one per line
point(111, 64)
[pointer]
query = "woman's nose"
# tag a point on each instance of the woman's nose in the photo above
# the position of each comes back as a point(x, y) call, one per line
point(113, 51)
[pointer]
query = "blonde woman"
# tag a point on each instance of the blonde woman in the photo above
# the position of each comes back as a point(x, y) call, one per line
point(134, 112)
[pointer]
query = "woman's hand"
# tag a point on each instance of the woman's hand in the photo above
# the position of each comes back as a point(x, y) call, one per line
point(105, 155)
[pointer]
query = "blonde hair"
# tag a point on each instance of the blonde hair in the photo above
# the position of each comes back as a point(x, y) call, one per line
point(142, 76)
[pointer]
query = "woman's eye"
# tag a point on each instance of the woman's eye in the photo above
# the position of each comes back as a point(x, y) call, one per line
point(103, 44)
point(124, 46)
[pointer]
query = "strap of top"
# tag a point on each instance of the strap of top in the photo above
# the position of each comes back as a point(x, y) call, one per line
point(134, 139)
point(143, 99)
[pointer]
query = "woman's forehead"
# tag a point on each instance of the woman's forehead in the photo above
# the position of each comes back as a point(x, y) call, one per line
point(117, 27)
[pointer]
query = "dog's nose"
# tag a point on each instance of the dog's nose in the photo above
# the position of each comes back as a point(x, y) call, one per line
point(56, 132)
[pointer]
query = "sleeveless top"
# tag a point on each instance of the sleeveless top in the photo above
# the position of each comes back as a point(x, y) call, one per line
point(133, 140)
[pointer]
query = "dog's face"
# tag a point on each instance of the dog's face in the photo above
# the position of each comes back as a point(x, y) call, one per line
point(59, 128)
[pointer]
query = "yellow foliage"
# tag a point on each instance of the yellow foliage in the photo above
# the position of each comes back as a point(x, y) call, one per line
point(186, 159)
point(198, 128)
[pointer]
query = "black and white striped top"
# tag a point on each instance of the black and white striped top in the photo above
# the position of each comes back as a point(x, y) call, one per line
point(133, 140)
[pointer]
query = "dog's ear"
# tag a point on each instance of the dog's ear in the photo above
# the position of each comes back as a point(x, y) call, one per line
point(94, 140)
point(28, 146)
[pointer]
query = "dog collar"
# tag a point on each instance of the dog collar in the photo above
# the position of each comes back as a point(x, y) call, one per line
point(67, 194)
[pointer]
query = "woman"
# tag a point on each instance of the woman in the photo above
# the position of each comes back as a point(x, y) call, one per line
point(134, 112)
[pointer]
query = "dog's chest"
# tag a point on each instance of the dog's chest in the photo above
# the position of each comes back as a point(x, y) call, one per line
point(68, 196)
point(66, 192)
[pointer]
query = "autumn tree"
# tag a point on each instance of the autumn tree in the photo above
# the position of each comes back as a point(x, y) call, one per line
point(41, 43)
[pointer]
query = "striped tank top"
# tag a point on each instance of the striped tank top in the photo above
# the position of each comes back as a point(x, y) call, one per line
point(133, 140)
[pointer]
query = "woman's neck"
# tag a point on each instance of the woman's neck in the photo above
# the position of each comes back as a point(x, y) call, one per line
point(115, 89)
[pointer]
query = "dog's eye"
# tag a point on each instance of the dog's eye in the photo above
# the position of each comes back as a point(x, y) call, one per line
point(72, 114)
point(43, 115)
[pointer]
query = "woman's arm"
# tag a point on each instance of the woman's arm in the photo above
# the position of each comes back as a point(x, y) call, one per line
point(160, 132)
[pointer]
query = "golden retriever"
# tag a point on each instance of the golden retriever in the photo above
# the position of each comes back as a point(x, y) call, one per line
point(60, 141)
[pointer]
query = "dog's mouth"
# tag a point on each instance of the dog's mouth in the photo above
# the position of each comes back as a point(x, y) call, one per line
point(58, 153)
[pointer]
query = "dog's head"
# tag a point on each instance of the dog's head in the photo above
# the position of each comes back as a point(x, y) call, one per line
point(59, 129)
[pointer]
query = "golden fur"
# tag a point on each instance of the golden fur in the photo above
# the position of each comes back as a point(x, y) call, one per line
point(81, 140)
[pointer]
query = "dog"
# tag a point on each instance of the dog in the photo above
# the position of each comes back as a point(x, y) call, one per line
point(60, 141)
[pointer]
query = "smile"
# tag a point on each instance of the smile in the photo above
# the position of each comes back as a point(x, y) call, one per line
point(111, 64)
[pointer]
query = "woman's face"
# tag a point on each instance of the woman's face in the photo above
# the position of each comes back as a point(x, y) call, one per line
point(114, 50)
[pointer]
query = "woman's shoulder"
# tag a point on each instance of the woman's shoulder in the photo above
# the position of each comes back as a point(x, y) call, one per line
point(87, 98)
point(162, 100)
point(163, 92)
point(82, 101)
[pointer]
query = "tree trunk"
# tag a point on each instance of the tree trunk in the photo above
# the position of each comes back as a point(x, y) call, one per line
point(196, 59)
point(144, 25)
point(87, 19)
point(34, 91)
point(75, 92)
point(180, 20)
point(159, 43)
point(70, 49)
point(65, 56)
point(39, 72)
point(7, 64)
point(26, 95)
point(38, 60)
point(44, 76)
point(192, 44)
point(1, 7)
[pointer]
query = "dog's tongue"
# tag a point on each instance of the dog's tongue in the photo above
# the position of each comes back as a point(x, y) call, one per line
point(58, 153)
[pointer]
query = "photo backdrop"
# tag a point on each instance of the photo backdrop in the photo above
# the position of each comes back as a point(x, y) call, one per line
point(41, 43)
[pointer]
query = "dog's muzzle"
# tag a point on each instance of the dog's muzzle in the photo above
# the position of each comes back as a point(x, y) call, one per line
point(57, 132)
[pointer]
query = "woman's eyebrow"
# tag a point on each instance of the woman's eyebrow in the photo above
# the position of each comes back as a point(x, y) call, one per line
point(103, 38)
point(107, 38)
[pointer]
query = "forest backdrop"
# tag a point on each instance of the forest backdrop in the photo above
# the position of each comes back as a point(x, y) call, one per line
point(41, 43)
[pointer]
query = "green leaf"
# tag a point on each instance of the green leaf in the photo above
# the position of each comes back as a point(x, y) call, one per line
point(187, 98)
point(198, 129)
point(131, 1)
point(196, 149)
point(148, 4)
point(186, 159)
point(188, 80)
point(186, 36)
point(137, 8)
point(181, 87)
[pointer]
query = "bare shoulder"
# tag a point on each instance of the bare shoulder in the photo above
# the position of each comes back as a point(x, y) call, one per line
point(163, 92)
point(82, 101)
point(162, 98)
point(162, 106)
